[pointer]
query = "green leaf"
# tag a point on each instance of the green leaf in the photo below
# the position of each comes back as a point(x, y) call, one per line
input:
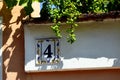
point(28, 8)
point(37, 0)
point(23, 2)
point(11, 3)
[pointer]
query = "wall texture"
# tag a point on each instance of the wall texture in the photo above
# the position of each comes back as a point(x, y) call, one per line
point(0, 48)
point(13, 44)
point(97, 45)
point(13, 55)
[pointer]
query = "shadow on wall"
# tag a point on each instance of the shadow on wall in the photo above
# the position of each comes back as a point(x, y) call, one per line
point(52, 66)
point(97, 45)
point(0, 53)
point(13, 43)
point(0, 67)
point(95, 42)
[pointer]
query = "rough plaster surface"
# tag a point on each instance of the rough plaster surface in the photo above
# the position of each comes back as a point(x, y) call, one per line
point(13, 57)
point(97, 45)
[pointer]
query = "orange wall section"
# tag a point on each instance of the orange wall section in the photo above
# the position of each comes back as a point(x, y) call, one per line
point(13, 44)
point(77, 75)
point(13, 56)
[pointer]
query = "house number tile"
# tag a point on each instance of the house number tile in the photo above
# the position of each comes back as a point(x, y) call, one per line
point(47, 51)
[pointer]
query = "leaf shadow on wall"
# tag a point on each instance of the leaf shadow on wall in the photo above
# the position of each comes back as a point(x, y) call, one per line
point(13, 44)
point(97, 42)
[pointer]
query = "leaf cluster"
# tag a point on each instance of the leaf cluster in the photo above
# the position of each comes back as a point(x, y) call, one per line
point(68, 9)
point(71, 10)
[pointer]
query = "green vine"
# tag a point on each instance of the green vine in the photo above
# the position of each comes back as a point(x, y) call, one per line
point(67, 9)
point(70, 10)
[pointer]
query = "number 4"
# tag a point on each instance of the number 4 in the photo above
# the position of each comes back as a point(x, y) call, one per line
point(48, 51)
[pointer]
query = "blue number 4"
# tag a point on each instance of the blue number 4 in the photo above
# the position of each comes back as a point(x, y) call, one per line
point(48, 51)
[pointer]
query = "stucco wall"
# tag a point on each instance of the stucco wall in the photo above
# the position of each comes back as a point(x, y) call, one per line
point(97, 45)
point(0, 48)
point(13, 56)
point(77, 75)
point(13, 43)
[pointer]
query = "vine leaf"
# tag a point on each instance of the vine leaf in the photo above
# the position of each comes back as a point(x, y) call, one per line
point(28, 8)
point(11, 3)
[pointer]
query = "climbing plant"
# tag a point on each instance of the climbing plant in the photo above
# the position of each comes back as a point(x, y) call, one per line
point(69, 10)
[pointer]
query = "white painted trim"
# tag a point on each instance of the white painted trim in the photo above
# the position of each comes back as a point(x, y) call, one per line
point(0, 48)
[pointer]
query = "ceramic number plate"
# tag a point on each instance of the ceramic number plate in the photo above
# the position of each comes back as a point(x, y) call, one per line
point(47, 51)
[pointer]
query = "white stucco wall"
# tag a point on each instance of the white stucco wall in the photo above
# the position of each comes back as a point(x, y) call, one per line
point(97, 45)
point(0, 48)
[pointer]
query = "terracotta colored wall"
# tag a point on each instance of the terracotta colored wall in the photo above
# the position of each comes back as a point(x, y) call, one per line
point(77, 75)
point(13, 44)
point(13, 56)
